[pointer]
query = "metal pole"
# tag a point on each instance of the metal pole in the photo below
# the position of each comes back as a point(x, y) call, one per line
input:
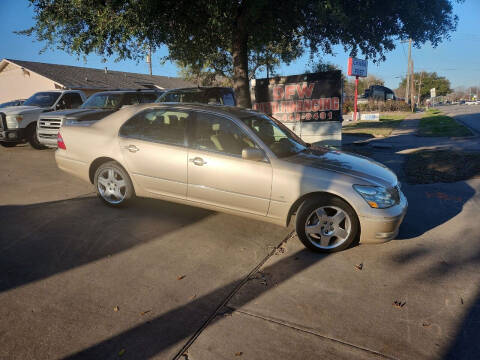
point(355, 101)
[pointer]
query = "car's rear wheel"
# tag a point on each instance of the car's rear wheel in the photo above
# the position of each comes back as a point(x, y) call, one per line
point(8, 144)
point(113, 185)
point(327, 224)
point(33, 137)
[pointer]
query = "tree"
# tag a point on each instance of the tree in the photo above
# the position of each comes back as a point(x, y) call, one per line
point(223, 35)
point(429, 81)
point(363, 84)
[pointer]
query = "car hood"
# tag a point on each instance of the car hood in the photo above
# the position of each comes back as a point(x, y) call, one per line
point(22, 109)
point(346, 163)
point(83, 114)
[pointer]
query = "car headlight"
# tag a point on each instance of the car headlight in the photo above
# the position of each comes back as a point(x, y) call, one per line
point(377, 197)
point(13, 120)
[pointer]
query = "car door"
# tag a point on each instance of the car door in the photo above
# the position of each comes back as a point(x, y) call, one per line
point(217, 174)
point(153, 145)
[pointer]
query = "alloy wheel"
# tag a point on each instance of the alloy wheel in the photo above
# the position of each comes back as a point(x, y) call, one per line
point(328, 227)
point(112, 186)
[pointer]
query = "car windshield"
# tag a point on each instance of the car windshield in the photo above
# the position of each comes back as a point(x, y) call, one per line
point(193, 96)
point(275, 135)
point(42, 99)
point(103, 101)
point(116, 101)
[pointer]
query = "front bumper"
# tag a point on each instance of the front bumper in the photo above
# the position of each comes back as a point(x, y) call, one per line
point(385, 226)
point(14, 135)
point(47, 137)
point(10, 135)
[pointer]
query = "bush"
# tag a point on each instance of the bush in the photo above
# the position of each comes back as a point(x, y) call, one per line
point(377, 105)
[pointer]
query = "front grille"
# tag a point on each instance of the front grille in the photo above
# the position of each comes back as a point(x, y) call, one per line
point(53, 124)
point(3, 121)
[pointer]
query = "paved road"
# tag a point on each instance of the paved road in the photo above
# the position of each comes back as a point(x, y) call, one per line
point(467, 114)
point(80, 280)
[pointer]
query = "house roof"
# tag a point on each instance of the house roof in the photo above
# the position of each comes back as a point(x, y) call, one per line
point(76, 77)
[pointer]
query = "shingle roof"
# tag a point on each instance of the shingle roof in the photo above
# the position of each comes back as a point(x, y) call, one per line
point(76, 77)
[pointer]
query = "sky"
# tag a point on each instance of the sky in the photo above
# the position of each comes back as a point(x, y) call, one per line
point(458, 59)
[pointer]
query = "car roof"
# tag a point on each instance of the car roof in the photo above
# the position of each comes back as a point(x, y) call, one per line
point(199, 89)
point(148, 91)
point(219, 109)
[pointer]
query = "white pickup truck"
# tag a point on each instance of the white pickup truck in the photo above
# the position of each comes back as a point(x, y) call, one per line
point(19, 123)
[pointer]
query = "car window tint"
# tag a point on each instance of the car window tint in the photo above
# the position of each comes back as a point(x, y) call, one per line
point(214, 133)
point(228, 99)
point(130, 99)
point(147, 98)
point(75, 100)
point(157, 125)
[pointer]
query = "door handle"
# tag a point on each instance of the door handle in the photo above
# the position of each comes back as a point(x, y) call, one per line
point(198, 161)
point(132, 148)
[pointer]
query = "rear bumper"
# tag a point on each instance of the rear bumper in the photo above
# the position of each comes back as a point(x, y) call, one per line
point(384, 227)
point(74, 167)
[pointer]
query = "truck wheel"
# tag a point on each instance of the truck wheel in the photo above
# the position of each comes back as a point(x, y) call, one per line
point(33, 138)
point(8, 144)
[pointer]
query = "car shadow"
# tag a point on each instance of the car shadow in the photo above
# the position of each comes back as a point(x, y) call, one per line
point(432, 205)
point(41, 240)
point(152, 337)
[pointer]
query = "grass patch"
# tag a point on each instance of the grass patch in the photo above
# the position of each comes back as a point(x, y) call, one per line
point(432, 166)
point(435, 124)
point(381, 128)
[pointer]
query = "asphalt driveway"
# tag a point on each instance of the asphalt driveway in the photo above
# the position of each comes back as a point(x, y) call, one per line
point(156, 280)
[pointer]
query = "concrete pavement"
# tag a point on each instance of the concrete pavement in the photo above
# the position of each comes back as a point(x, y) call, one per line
point(83, 281)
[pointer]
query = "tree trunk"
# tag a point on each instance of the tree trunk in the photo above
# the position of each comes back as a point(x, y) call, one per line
point(240, 61)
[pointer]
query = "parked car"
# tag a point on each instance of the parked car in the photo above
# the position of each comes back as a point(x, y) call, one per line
point(19, 123)
point(17, 102)
point(236, 161)
point(95, 108)
point(203, 95)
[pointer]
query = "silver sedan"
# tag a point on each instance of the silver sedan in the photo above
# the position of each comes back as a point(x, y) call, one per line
point(236, 161)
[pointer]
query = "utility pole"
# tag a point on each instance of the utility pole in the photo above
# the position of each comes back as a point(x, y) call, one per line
point(419, 89)
point(149, 60)
point(412, 84)
point(407, 87)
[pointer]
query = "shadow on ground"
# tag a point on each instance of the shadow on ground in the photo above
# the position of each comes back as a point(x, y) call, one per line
point(432, 205)
point(152, 337)
point(41, 240)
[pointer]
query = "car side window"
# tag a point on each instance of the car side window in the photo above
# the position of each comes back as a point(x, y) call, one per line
point(215, 133)
point(228, 99)
point(157, 125)
point(74, 100)
point(63, 103)
point(146, 98)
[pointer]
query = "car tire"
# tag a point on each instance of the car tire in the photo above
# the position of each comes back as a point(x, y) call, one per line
point(8, 144)
point(113, 185)
point(33, 137)
point(327, 224)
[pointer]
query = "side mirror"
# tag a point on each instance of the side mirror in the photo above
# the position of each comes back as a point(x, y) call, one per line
point(253, 154)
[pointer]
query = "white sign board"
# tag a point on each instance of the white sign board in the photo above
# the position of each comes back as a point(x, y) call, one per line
point(357, 67)
point(433, 93)
point(370, 117)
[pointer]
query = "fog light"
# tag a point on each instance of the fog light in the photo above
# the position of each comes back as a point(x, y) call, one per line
point(12, 135)
point(385, 235)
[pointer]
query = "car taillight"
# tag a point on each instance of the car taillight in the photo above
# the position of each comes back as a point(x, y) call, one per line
point(60, 143)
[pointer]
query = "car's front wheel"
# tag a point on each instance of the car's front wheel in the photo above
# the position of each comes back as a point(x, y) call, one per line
point(327, 224)
point(113, 185)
